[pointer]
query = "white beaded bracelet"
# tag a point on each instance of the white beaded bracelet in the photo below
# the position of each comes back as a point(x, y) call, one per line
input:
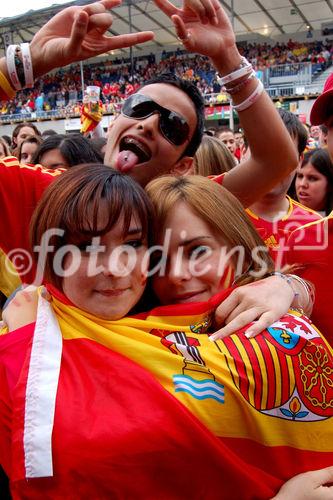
point(287, 278)
point(251, 99)
point(10, 60)
point(309, 289)
point(27, 65)
point(244, 70)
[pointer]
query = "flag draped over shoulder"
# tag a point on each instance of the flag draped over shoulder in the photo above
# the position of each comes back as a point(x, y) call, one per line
point(147, 406)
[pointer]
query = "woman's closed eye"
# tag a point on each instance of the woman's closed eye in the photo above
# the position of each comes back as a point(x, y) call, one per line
point(89, 246)
point(135, 243)
point(198, 251)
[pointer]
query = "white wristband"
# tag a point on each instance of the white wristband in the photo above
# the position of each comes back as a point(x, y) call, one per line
point(27, 65)
point(10, 60)
point(238, 73)
point(251, 99)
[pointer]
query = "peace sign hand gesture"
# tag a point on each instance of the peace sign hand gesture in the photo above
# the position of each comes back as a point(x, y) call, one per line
point(203, 27)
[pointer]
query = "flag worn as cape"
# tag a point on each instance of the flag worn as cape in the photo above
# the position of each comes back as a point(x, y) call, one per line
point(148, 407)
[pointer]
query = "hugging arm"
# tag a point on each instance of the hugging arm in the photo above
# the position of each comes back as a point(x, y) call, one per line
point(313, 485)
point(259, 304)
point(205, 28)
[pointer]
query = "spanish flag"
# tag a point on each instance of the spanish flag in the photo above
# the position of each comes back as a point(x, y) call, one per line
point(91, 115)
point(148, 407)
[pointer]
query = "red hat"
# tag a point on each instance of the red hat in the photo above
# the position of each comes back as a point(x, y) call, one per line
point(323, 105)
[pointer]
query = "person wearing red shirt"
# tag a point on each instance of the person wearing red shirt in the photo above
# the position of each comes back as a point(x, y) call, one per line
point(276, 215)
point(311, 245)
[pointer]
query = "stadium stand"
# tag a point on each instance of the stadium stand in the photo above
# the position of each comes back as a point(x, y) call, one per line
point(285, 69)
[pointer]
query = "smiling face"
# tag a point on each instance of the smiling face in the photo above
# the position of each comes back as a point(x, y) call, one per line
point(193, 259)
point(115, 289)
point(311, 187)
point(314, 132)
point(156, 155)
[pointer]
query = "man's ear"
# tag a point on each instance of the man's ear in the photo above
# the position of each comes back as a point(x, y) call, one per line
point(184, 166)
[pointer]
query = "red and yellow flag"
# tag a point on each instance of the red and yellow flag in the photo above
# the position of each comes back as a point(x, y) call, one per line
point(149, 406)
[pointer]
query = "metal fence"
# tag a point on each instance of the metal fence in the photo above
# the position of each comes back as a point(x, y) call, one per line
point(287, 80)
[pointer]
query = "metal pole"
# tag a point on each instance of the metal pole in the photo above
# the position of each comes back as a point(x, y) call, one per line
point(82, 79)
point(231, 116)
point(130, 30)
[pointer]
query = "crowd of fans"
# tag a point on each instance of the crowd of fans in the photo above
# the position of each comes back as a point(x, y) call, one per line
point(61, 91)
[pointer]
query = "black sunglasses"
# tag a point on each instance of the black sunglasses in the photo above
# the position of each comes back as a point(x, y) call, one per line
point(172, 125)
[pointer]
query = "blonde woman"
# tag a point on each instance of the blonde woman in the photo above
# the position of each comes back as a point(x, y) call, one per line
point(212, 157)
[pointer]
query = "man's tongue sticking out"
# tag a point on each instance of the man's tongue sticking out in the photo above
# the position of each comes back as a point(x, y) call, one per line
point(126, 161)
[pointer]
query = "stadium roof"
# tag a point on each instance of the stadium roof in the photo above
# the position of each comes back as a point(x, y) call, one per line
point(266, 17)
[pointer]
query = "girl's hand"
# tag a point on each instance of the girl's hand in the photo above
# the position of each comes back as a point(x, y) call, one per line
point(260, 303)
point(77, 33)
point(22, 309)
point(313, 485)
point(203, 27)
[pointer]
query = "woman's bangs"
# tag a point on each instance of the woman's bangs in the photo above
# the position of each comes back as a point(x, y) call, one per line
point(97, 214)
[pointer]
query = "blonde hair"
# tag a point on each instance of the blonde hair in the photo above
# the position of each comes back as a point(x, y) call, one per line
point(212, 157)
point(219, 209)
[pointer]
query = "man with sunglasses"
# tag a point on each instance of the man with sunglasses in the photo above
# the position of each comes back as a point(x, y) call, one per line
point(161, 126)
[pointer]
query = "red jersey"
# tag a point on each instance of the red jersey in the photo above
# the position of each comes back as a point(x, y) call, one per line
point(276, 233)
point(311, 246)
point(21, 187)
point(217, 178)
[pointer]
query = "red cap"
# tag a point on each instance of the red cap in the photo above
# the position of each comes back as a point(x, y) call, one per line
point(323, 105)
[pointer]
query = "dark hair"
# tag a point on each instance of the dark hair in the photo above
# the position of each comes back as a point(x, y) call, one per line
point(295, 128)
point(48, 132)
point(17, 129)
point(223, 129)
point(98, 143)
point(75, 149)
point(5, 146)
point(7, 139)
point(76, 201)
point(194, 94)
point(320, 160)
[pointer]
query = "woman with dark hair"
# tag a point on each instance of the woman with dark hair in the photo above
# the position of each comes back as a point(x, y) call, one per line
point(4, 148)
point(314, 181)
point(21, 132)
point(27, 148)
point(65, 151)
point(99, 145)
